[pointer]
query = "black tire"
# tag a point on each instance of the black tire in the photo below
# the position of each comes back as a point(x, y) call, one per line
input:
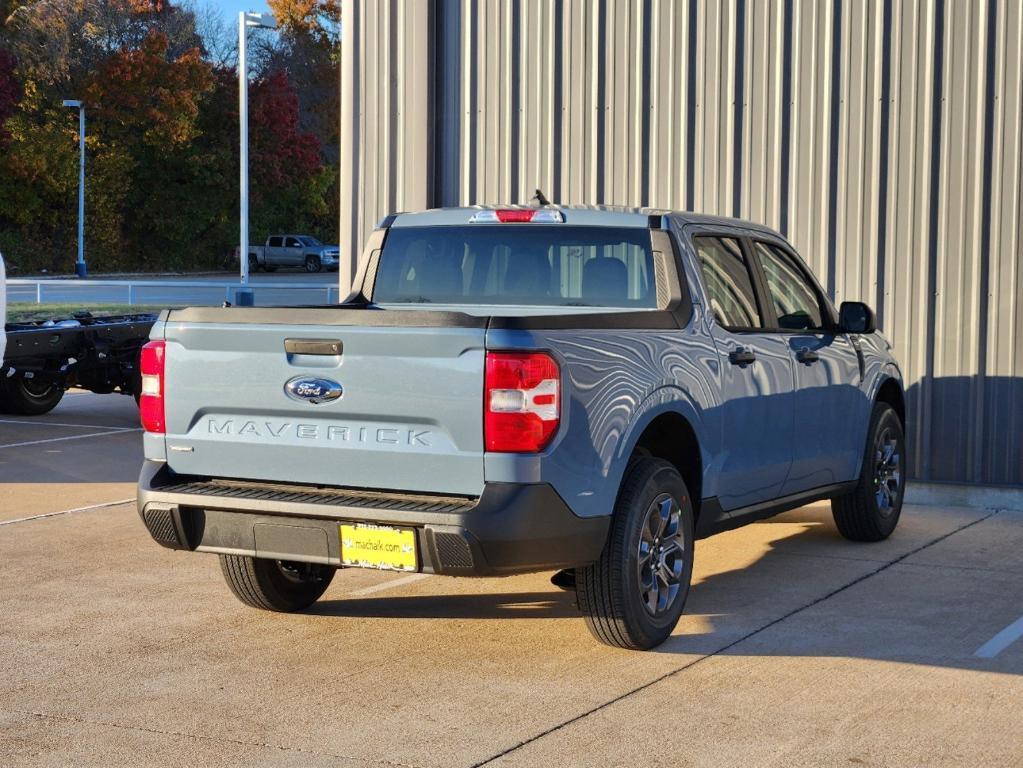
point(275, 585)
point(872, 510)
point(611, 592)
point(253, 264)
point(269, 269)
point(312, 264)
point(26, 398)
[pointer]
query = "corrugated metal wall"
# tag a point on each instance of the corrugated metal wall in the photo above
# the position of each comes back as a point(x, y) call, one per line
point(883, 137)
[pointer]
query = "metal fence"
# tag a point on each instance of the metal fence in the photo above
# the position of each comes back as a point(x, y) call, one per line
point(164, 293)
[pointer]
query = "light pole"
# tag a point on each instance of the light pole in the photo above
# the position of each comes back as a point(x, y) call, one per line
point(246, 20)
point(80, 263)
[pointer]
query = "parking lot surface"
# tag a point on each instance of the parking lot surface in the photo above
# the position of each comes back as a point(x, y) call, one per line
point(798, 648)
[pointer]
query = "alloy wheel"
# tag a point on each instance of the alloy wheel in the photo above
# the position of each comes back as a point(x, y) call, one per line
point(887, 471)
point(661, 556)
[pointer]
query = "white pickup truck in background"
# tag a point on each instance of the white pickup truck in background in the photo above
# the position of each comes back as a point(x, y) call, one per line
point(303, 251)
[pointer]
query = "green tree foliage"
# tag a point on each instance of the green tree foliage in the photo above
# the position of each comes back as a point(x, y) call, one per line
point(162, 146)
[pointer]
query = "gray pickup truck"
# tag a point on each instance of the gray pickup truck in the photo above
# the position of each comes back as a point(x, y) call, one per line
point(303, 251)
point(523, 389)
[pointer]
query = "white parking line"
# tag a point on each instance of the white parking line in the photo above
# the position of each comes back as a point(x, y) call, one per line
point(72, 437)
point(38, 422)
point(67, 511)
point(1001, 641)
point(389, 584)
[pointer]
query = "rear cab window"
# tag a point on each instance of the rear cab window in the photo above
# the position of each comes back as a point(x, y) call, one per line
point(555, 265)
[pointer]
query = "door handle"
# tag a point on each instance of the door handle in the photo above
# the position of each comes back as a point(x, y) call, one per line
point(741, 356)
point(807, 355)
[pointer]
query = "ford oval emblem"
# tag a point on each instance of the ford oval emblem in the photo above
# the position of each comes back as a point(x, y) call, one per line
point(313, 390)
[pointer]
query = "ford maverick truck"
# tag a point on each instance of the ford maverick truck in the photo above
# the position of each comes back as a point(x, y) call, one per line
point(516, 389)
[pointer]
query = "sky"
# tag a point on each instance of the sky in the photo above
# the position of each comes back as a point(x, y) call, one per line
point(231, 8)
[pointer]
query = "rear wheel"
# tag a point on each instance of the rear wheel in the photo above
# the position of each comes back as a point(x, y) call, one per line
point(275, 585)
point(633, 596)
point(28, 398)
point(253, 263)
point(312, 263)
point(871, 511)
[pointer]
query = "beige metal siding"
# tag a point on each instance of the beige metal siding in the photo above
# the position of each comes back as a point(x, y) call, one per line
point(883, 137)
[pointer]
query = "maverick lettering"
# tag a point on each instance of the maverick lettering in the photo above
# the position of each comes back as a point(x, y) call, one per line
point(334, 432)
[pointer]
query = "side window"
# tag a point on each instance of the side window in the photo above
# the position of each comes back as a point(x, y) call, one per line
point(293, 243)
point(726, 277)
point(795, 301)
point(275, 242)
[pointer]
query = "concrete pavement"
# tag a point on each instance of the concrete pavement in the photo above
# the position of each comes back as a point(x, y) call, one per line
point(798, 647)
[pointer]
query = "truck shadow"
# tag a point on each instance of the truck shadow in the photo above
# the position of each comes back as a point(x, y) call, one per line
point(794, 562)
point(555, 604)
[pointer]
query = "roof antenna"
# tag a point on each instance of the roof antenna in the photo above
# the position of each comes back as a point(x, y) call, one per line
point(540, 198)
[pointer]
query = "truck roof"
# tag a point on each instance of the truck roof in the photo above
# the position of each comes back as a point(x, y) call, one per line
point(585, 215)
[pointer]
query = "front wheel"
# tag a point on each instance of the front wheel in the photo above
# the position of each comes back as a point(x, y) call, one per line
point(633, 596)
point(28, 398)
point(275, 585)
point(871, 511)
point(312, 263)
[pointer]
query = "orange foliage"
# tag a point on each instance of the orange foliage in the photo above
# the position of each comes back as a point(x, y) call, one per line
point(142, 91)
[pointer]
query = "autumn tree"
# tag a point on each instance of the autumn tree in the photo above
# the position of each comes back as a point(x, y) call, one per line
point(320, 18)
point(10, 92)
point(58, 42)
point(289, 184)
point(7, 9)
point(149, 96)
point(147, 104)
point(162, 144)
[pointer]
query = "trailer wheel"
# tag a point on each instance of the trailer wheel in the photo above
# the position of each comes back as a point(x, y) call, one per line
point(27, 398)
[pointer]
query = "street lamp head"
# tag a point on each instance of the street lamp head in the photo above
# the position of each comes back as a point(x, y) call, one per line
point(262, 20)
point(72, 103)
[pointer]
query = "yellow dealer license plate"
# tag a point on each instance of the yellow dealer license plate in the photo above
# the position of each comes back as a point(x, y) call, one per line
point(373, 546)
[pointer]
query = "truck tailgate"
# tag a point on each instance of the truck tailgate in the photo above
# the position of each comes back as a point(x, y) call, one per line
point(409, 413)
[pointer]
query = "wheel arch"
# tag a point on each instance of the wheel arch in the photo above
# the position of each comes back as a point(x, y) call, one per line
point(890, 391)
point(670, 431)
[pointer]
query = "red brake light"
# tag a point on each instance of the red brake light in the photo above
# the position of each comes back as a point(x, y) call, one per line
point(515, 215)
point(151, 365)
point(522, 401)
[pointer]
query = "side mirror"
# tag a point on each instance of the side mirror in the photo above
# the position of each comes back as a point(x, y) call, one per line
point(856, 317)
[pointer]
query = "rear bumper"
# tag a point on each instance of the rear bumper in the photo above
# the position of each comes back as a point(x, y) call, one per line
point(510, 528)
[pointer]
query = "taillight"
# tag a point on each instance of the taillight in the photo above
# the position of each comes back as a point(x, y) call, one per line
point(151, 365)
point(522, 401)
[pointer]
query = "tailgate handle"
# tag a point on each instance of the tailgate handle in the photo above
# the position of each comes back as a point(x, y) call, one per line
point(331, 347)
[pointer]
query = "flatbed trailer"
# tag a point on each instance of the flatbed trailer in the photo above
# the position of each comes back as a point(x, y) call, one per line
point(43, 359)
